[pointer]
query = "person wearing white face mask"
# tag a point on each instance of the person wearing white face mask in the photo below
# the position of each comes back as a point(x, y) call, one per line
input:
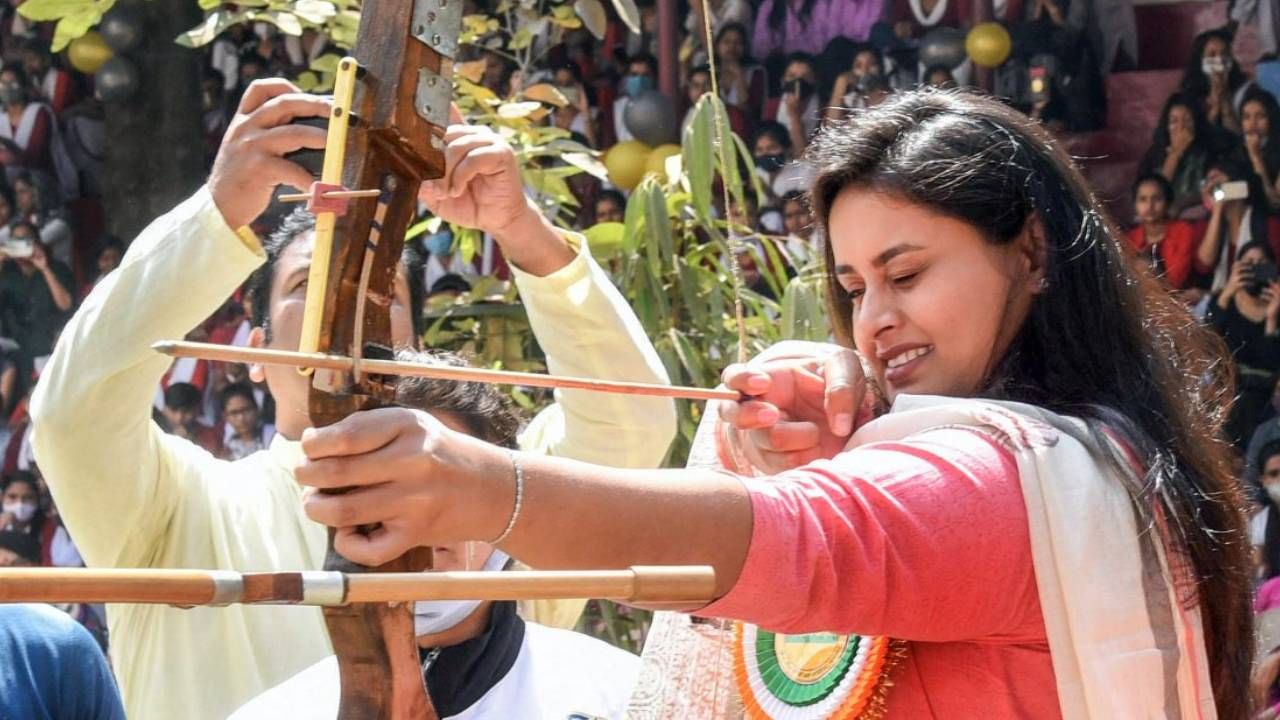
point(479, 659)
point(1264, 525)
point(21, 506)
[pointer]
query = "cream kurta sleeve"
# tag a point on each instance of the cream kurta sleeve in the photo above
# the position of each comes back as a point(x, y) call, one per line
point(116, 476)
point(587, 329)
point(132, 496)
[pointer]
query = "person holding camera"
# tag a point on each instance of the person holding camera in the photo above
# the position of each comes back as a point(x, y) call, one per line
point(35, 295)
point(1246, 312)
point(799, 111)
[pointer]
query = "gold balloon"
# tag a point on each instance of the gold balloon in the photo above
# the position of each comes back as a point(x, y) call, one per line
point(988, 44)
point(657, 162)
point(89, 52)
point(626, 163)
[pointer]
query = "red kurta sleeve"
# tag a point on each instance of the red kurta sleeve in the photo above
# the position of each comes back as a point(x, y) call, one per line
point(924, 539)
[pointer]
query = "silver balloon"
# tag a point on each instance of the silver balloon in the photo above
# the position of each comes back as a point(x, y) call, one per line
point(943, 46)
point(117, 80)
point(122, 28)
point(651, 117)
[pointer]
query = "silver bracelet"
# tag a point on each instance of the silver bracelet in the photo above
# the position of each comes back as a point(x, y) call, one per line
point(515, 511)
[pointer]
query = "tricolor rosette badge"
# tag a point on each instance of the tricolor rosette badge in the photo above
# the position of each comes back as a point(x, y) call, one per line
point(816, 676)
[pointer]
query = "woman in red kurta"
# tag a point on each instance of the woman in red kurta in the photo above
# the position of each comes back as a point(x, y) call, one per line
point(1049, 416)
point(1170, 245)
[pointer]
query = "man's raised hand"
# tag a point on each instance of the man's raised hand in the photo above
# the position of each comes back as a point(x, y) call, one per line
point(250, 163)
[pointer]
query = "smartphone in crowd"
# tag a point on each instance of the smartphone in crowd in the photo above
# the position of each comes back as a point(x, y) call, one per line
point(1260, 275)
point(1039, 85)
point(1227, 191)
point(17, 248)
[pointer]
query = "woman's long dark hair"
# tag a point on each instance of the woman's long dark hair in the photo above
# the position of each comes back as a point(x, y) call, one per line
point(747, 58)
point(1102, 342)
point(1194, 82)
point(1271, 150)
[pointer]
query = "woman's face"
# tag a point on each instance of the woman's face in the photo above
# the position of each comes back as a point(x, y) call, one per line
point(21, 492)
point(1149, 203)
point(731, 46)
point(795, 218)
point(1271, 472)
point(25, 196)
point(1215, 48)
point(798, 70)
point(699, 85)
point(1254, 119)
point(1180, 120)
point(935, 304)
point(1253, 256)
point(767, 145)
point(108, 260)
point(866, 63)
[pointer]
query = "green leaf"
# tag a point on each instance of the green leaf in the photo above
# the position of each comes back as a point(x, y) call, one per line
point(73, 26)
point(697, 149)
point(587, 162)
point(314, 11)
point(44, 10)
point(629, 14)
point(521, 40)
point(511, 111)
point(593, 16)
point(327, 63)
point(605, 239)
point(468, 241)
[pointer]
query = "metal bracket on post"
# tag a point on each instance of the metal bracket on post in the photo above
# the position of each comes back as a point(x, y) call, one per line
point(433, 96)
point(437, 24)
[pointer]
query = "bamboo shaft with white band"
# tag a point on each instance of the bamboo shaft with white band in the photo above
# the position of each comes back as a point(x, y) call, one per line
point(668, 585)
point(321, 361)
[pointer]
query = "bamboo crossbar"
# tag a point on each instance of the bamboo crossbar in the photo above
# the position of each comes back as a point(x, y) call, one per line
point(230, 353)
point(694, 584)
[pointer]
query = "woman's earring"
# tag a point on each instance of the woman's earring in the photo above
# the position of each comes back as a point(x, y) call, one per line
point(1043, 284)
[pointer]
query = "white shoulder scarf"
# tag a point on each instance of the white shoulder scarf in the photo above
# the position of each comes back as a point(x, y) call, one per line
point(1123, 644)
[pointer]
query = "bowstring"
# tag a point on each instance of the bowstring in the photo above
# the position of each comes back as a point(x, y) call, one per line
point(735, 268)
point(734, 241)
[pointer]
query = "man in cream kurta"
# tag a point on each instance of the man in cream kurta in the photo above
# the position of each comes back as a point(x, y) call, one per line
point(133, 496)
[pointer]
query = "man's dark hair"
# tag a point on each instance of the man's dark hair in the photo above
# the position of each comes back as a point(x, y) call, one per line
point(296, 224)
point(23, 476)
point(1166, 188)
point(482, 408)
point(613, 196)
point(645, 58)
point(1268, 451)
point(804, 57)
point(237, 389)
point(182, 396)
point(774, 130)
point(25, 225)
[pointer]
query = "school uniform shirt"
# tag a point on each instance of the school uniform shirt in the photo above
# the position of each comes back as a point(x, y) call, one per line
point(134, 497)
point(518, 670)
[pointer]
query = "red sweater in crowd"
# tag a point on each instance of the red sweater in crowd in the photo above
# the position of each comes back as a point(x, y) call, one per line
point(1177, 251)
